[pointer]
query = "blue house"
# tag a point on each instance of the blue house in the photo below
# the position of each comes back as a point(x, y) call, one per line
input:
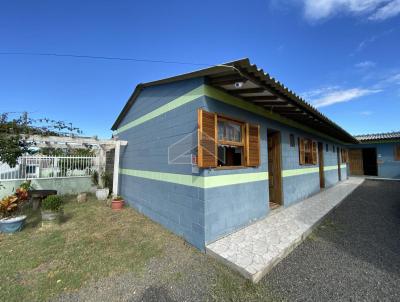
point(214, 150)
point(376, 155)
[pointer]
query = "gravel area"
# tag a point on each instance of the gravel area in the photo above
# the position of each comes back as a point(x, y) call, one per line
point(354, 255)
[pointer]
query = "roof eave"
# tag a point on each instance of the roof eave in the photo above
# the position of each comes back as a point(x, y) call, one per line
point(242, 66)
point(127, 106)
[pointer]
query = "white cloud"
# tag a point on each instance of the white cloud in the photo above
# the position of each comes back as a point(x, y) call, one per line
point(387, 11)
point(365, 64)
point(373, 9)
point(315, 93)
point(363, 44)
point(393, 79)
point(332, 95)
point(388, 80)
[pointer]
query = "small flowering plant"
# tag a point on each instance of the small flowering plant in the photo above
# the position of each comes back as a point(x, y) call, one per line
point(10, 205)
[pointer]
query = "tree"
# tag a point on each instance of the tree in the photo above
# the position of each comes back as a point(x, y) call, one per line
point(14, 134)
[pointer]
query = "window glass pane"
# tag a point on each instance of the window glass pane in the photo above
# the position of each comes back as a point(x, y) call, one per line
point(230, 156)
point(221, 128)
point(229, 131)
point(221, 156)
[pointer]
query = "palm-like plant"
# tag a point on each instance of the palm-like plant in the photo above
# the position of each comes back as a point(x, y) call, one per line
point(8, 205)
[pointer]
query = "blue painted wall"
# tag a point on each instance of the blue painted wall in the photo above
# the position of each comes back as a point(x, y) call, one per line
point(388, 167)
point(204, 215)
point(232, 207)
point(179, 208)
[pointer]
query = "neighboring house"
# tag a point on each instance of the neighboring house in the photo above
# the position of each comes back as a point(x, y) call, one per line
point(376, 155)
point(259, 147)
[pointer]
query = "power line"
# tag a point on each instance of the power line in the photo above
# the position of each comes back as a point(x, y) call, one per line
point(48, 54)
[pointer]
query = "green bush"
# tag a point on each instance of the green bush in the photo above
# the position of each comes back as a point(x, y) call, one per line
point(52, 203)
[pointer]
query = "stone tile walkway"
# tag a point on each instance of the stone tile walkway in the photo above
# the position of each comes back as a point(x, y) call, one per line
point(257, 248)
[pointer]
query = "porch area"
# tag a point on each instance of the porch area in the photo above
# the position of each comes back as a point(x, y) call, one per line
point(257, 248)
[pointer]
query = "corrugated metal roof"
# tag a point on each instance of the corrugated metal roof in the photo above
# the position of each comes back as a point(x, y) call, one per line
point(378, 136)
point(259, 88)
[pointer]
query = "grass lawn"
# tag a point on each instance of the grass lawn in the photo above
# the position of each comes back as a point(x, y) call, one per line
point(98, 248)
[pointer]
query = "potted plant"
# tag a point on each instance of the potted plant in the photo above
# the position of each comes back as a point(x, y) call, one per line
point(52, 209)
point(10, 207)
point(102, 190)
point(117, 203)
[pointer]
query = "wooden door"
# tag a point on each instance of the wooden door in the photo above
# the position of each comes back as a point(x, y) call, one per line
point(356, 162)
point(321, 165)
point(274, 169)
point(338, 164)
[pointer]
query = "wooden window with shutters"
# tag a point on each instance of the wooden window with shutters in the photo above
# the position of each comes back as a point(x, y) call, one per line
point(231, 142)
point(226, 142)
point(397, 152)
point(308, 152)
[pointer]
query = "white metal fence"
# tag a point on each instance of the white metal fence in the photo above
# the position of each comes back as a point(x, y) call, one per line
point(36, 167)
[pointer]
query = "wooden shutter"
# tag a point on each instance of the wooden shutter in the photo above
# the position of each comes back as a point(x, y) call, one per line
point(252, 145)
point(314, 153)
point(302, 152)
point(397, 152)
point(207, 151)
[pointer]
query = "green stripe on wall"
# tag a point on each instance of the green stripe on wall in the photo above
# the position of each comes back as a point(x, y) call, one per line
point(233, 179)
point(295, 172)
point(328, 168)
point(180, 101)
point(222, 97)
point(206, 182)
point(198, 181)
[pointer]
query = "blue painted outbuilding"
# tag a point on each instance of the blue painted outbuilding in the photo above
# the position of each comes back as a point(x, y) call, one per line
point(376, 155)
point(212, 151)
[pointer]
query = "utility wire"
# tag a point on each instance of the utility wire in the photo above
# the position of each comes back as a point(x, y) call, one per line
point(48, 54)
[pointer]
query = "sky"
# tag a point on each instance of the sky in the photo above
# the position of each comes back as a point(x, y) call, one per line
point(342, 56)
